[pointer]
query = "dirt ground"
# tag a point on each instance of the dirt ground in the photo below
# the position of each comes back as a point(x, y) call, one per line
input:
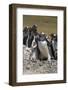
point(39, 67)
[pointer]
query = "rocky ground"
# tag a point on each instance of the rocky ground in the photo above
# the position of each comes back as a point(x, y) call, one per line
point(37, 66)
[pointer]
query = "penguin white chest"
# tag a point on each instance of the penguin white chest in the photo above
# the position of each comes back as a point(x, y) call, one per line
point(43, 48)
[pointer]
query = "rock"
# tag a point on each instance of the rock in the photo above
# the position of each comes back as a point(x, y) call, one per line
point(27, 53)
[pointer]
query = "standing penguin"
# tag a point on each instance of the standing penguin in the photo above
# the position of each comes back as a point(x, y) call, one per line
point(34, 49)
